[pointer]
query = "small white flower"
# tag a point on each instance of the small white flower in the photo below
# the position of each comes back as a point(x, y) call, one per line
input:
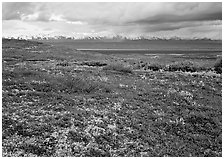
point(117, 106)
point(111, 126)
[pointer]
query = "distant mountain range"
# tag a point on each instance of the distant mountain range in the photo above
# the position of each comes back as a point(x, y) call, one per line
point(99, 38)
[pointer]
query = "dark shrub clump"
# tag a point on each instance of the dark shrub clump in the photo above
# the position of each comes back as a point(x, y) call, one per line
point(94, 63)
point(218, 65)
point(185, 66)
point(155, 66)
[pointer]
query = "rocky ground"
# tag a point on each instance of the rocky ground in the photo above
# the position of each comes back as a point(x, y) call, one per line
point(61, 102)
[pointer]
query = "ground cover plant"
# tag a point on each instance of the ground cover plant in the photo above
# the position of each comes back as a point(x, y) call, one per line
point(218, 65)
point(57, 102)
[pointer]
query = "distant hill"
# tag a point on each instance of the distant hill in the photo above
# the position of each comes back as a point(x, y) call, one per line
point(114, 38)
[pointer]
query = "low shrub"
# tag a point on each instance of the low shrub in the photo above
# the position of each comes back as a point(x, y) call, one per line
point(80, 85)
point(141, 65)
point(155, 66)
point(63, 64)
point(94, 63)
point(119, 68)
point(218, 65)
point(185, 66)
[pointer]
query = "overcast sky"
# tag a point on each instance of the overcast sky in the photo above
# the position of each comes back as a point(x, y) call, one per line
point(186, 20)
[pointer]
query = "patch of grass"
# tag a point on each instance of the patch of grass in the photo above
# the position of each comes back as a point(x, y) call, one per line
point(19, 44)
point(118, 68)
point(71, 84)
point(20, 72)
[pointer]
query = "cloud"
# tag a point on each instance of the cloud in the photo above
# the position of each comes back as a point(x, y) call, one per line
point(178, 25)
point(12, 11)
point(115, 13)
point(180, 12)
point(133, 18)
point(208, 31)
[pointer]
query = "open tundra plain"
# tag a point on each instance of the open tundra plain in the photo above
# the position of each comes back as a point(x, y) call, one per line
point(59, 101)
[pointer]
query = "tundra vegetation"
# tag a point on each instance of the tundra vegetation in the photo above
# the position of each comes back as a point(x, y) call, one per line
point(57, 101)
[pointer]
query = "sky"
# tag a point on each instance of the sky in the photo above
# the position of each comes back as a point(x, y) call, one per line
point(76, 19)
